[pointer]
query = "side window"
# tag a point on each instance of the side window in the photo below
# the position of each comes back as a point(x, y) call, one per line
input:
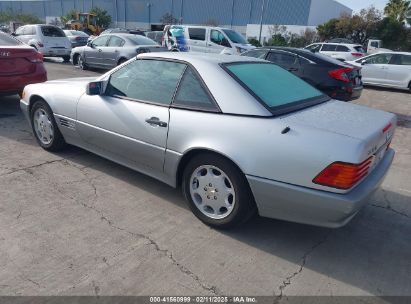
point(147, 80)
point(342, 48)
point(256, 54)
point(20, 31)
point(282, 59)
point(405, 60)
point(374, 44)
point(314, 48)
point(218, 38)
point(192, 94)
point(197, 33)
point(328, 47)
point(101, 41)
point(379, 59)
point(115, 41)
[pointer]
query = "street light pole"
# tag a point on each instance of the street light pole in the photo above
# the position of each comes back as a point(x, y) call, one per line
point(261, 20)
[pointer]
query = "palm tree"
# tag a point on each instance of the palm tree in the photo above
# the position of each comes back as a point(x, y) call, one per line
point(397, 9)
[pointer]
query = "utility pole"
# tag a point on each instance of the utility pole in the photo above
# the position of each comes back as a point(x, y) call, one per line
point(149, 15)
point(261, 21)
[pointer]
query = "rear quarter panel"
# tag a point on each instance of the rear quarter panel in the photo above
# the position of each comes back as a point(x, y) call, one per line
point(257, 146)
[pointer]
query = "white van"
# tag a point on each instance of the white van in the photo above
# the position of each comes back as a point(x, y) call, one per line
point(49, 40)
point(205, 39)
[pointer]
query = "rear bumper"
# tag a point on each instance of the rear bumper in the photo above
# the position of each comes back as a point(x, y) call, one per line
point(15, 84)
point(347, 94)
point(315, 207)
point(55, 52)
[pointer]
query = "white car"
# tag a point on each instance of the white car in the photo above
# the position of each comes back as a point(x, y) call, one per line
point(339, 51)
point(388, 69)
point(49, 40)
point(204, 39)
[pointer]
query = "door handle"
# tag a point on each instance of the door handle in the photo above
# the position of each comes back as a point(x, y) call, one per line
point(293, 69)
point(100, 50)
point(155, 121)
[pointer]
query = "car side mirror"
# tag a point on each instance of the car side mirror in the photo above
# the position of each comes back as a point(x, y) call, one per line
point(95, 88)
point(90, 44)
point(13, 34)
point(363, 62)
point(225, 43)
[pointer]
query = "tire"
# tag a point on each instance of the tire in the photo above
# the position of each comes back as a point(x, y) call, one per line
point(121, 61)
point(409, 87)
point(81, 64)
point(45, 128)
point(66, 58)
point(217, 191)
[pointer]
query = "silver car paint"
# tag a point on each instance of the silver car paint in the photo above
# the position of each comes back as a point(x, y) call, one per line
point(320, 135)
point(108, 57)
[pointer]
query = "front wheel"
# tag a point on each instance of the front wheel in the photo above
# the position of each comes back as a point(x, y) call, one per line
point(45, 128)
point(217, 191)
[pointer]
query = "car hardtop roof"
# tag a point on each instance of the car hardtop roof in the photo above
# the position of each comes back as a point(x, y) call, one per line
point(202, 26)
point(200, 58)
point(337, 43)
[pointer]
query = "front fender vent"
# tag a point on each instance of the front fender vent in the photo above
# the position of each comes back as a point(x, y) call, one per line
point(67, 123)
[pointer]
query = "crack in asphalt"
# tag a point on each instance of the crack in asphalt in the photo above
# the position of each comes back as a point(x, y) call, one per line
point(165, 252)
point(288, 280)
point(32, 167)
point(388, 206)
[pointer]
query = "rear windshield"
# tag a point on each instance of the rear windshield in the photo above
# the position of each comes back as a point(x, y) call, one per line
point(277, 89)
point(142, 40)
point(359, 49)
point(52, 31)
point(6, 40)
point(76, 33)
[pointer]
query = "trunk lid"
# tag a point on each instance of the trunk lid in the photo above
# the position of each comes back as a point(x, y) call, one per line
point(17, 60)
point(374, 128)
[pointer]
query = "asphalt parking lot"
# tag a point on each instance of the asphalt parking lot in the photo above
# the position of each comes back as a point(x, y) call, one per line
point(73, 223)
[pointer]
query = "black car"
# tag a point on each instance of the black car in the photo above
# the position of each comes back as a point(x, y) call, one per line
point(336, 79)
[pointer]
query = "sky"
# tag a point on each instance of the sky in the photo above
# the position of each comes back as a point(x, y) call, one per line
point(357, 5)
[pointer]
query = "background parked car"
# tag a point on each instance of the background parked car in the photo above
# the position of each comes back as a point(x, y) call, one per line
point(49, 40)
point(77, 38)
point(334, 78)
point(339, 51)
point(123, 31)
point(204, 39)
point(20, 65)
point(157, 36)
point(110, 50)
point(389, 69)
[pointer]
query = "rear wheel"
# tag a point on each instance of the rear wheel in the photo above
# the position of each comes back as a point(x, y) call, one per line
point(217, 191)
point(45, 128)
point(409, 87)
point(80, 63)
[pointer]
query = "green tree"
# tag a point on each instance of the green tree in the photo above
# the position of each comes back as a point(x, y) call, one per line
point(254, 42)
point(393, 33)
point(71, 15)
point(10, 15)
point(397, 9)
point(328, 30)
point(103, 18)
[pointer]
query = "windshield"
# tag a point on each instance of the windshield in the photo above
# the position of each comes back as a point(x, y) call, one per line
point(6, 40)
point(235, 37)
point(142, 40)
point(52, 31)
point(277, 89)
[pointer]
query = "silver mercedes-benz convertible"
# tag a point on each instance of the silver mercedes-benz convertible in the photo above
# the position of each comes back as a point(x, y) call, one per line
point(240, 135)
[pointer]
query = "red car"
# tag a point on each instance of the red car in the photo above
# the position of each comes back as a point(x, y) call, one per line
point(20, 65)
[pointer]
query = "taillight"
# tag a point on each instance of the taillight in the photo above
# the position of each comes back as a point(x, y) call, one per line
point(342, 175)
point(38, 57)
point(357, 54)
point(340, 74)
